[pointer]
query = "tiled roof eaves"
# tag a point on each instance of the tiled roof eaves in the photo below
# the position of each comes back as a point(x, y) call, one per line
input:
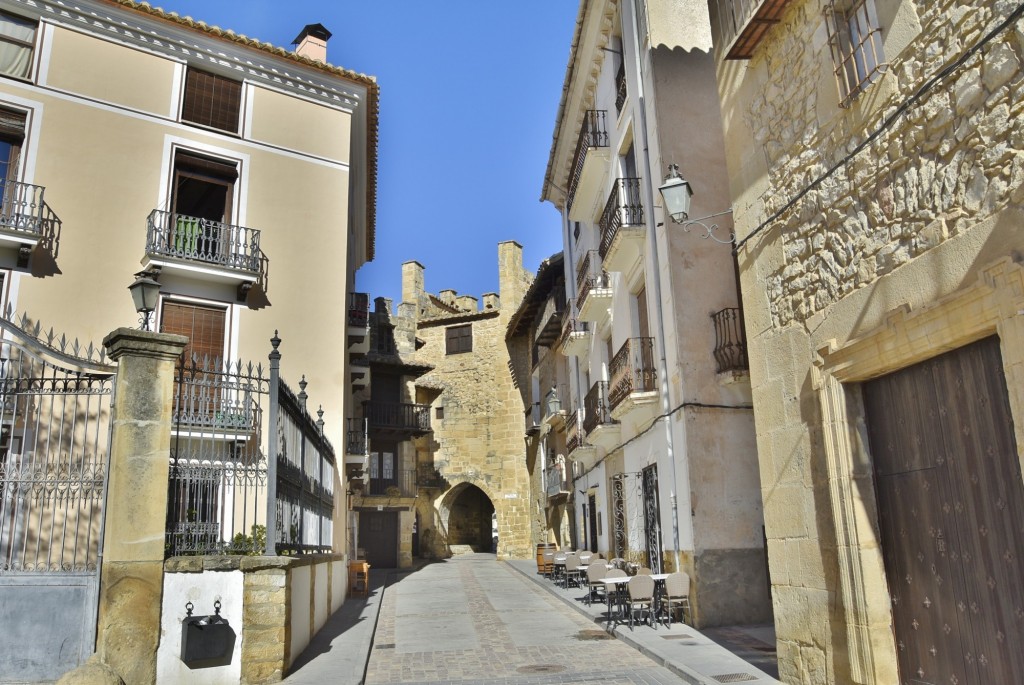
point(372, 89)
point(457, 318)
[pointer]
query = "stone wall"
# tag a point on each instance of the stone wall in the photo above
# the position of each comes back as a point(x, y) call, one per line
point(902, 251)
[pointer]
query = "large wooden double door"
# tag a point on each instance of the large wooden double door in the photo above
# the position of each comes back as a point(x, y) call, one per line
point(951, 514)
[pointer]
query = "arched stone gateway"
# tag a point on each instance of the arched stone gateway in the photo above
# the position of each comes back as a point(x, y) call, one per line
point(466, 512)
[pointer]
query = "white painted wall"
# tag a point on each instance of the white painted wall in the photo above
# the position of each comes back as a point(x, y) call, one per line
point(339, 584)
point(322, 598)
point(202, 589)
point(300, 582)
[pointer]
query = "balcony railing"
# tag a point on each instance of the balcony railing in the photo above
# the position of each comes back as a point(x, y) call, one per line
point(620, 88)
point(632, 370)
point(24, 210)
point(355, 437)
point(589, 276)
point(358, 310)
point(397, 416)
point(730, 341)
point(593, 133)
point(555, 480)
point(624, 208)
point(402, 483)
point(205, 241)
point(573, 432)
point(572, 326)
point(739, 26)
point(596, 408)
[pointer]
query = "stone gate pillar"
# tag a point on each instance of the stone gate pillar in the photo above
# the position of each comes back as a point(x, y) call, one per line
point(131, 576)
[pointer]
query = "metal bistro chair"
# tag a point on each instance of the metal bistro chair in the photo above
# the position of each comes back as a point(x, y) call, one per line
point(644, 571)
point(585, 556)
point(614, 594)
point(548, 568)
point(595, 573)
point(676, 595)
point(641, 595)
point(558, 565)
point(618, 562)
point(572, 571)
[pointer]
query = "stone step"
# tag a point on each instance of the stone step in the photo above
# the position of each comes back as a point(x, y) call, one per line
point(462, 549)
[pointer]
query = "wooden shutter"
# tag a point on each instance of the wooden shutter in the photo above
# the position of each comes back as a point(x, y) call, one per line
point(211, 100)
point(459, 339)
point(204, 327)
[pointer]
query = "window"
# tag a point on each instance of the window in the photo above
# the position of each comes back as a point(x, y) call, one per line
point(17, 40)
point(856, 44)
point(201, 202)
point(439, 413)
point(204, 326)
point(211, 100)
point(12, 135)
point(459, 339)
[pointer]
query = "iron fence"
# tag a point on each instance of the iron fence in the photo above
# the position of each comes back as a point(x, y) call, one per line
point(632, 370)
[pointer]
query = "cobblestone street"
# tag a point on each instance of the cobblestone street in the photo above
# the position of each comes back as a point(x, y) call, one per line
point(472, 620)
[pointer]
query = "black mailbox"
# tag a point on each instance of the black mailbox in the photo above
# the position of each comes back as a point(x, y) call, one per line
point(206, 640)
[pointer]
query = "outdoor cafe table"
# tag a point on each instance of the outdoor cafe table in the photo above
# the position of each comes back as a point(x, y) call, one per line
point(610, 584)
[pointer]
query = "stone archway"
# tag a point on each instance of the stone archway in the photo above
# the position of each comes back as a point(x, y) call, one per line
point(466, 512)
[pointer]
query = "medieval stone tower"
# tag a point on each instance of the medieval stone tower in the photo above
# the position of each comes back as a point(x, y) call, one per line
point(470, 468)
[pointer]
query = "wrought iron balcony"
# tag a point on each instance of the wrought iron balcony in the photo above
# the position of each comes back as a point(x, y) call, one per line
point(591, 279)
point(401, 483)
point(355, 437)
point(593, 134)
point(632, 370)
point(596, 408)
point(573, 432)
point(573, 340)
point(27, 221)
point(620, 88)
point(358, 310)
point(204, 242)
point(555, 480)
point(549, 320)
point(730, 341)
point(740, 25)
point(624, 208)
point(397, 418)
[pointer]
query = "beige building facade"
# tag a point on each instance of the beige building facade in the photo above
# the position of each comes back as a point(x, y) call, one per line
point(221, 166)
point(876, 172)
point(659, 426)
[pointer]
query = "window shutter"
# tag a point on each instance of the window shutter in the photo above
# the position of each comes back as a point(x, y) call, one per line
point(211, 100)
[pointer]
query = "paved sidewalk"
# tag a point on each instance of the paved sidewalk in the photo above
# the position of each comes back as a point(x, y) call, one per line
point(690, 654)
point(431, 625)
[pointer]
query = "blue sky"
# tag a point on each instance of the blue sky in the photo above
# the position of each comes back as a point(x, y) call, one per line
point(469, 93)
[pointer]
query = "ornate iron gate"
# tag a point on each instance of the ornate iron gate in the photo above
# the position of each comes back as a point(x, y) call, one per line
point(652, 517)
point(55, 400)
point(619, 516)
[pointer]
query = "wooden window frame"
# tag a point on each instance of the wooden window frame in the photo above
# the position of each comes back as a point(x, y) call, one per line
point(30, 45)
point(211, 100)
point(458, 339)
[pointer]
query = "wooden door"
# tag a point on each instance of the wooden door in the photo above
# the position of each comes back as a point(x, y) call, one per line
point(378, 536)
point(951, 516)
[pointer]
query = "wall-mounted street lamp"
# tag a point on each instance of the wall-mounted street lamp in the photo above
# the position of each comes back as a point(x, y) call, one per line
point(553, 402)
point(145, 294)
point(676, 193)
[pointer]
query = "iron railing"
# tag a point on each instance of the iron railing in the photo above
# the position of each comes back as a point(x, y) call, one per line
point(590, 276)
point(398, 416)
point(632, 370)
point(596, 407)
point(624, 208)
point(730, 341)
point(573, 432)
point(593, 133)
point(620, 87)
point(358, 310)
point(738, 26)
point(401, 483)
point(555, 479)
point(23, 210)
point(355, 437)
point(205, 241)
point(571, 327)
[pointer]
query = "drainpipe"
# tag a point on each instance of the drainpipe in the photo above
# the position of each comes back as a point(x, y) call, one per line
point(652, 246)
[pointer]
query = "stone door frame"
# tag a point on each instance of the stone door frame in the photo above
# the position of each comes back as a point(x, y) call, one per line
point(994, 304)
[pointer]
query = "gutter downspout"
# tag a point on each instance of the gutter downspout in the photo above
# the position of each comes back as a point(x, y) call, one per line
point(652, 241)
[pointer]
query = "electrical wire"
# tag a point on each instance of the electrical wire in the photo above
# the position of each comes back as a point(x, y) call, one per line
point(645, 431)
point(889, 120)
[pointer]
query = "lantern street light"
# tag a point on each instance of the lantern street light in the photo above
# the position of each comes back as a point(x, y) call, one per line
point(145, 294)
point(676, 193)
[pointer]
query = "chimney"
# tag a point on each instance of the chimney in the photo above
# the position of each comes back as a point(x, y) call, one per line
point(467, 303)
point(491, 301)
point(312, 42)
point(448, 297)
point(412, 282)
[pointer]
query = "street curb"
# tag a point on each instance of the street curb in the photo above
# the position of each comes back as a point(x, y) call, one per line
point(690, 676)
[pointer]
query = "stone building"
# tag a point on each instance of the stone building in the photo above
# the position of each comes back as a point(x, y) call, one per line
point(876, 159)
point(659, 423)
point(452, 371)
point(534, 337)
